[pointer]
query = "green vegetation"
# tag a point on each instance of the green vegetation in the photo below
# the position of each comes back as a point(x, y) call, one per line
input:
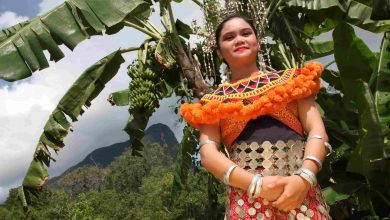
point(131, 187)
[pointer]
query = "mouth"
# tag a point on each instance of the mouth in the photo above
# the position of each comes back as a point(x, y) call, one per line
point(240, 49)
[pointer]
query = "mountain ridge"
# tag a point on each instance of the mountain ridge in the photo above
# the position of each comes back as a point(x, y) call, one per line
point(103, 156)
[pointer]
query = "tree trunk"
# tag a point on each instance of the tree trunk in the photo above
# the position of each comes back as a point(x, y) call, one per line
point(192, 74)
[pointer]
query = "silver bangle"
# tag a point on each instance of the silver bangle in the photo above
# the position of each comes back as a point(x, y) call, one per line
point(315, 160)
point(252, 186)
point(327, 145)
point(306, 174)
point(207, 141)
point(259, 186)
point(226, 176)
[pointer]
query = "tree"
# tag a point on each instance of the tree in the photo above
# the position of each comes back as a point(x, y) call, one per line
point(356, 113)
point(82, 179)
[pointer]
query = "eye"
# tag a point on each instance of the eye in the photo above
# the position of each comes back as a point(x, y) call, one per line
point(229, 37)
point(247, 33)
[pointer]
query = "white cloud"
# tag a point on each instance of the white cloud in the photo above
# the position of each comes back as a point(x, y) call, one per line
point(9, 18)
point(46, 5)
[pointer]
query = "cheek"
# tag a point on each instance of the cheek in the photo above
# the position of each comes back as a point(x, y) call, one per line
point(226, 48)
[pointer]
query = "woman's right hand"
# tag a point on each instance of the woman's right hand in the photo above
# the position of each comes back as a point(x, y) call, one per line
point(268, 193)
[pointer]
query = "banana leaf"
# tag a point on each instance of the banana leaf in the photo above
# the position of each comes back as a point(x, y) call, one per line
point(380, 10)
point(187, 149)
point(120, 98)
point(382, 94)
point(8, 32)
point(164, 54)
point(82, 92)
point(314, 4)
point(21, 48)
point(359, 14)
point(321, 48)
point(356, 64)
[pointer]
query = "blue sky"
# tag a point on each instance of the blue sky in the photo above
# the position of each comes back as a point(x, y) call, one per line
point(28, 8)
point(26, 104)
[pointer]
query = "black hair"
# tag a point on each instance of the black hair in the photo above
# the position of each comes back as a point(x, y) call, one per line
point(230, 17)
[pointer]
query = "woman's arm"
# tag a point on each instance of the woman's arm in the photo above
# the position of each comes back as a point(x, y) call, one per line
point(295, 187)
point(217, 164)
point(312, 123)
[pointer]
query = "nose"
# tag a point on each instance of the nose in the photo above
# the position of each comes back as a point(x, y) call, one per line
point(239, 40)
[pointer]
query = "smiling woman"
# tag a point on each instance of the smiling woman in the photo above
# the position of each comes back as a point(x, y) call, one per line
point(262, 118)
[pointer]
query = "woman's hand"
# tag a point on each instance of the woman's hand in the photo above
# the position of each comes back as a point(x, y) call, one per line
point(271, 194)
point(295, 191)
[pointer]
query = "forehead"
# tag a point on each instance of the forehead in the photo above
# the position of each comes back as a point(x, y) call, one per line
point(235, 24)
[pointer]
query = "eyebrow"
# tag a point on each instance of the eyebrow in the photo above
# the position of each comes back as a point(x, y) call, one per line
point(244, 29)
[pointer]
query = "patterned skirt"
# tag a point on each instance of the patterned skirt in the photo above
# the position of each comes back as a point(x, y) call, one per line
point(281, 158)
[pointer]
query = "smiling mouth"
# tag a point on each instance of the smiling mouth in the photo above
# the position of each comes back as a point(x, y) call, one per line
point(240, 49)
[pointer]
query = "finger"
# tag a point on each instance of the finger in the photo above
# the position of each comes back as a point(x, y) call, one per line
point(282, 198)
point(277, 183)
point(286, 206)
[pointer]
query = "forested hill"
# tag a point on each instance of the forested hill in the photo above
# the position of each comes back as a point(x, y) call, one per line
point(102, 157)
point(130, 187)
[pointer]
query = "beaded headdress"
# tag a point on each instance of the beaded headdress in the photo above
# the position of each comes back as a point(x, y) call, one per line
point(215, 11)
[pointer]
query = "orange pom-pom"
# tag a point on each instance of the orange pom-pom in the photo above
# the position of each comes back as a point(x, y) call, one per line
point(303, 85)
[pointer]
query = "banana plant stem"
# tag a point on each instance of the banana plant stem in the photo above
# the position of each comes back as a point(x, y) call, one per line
point(143, 30)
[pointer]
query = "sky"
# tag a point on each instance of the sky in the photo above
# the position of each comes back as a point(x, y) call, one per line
point(26, 104)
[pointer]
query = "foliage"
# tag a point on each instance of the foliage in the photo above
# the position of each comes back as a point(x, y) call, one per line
point(146, 196)
point(82, 180)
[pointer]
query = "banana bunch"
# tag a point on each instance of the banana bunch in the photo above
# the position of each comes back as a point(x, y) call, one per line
point(143, 90)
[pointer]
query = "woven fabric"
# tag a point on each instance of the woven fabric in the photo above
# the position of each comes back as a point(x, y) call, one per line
point(278, 158)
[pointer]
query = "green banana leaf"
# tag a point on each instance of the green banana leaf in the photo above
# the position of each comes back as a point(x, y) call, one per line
point(356, 64)
point(21, 49)
point(347, 184)
point(314, 4)
point(380, 10)
point(187, 149)
point(120, 98)
point(321, 48)
point(382, 94)
point(164, 53)
point(82, 92)
point(8, 32)
point(359, 14)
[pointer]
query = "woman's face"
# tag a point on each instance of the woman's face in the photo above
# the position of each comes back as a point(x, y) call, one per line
point(238, 44)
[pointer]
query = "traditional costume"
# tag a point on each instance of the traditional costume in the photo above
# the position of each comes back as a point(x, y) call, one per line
point(260, 128)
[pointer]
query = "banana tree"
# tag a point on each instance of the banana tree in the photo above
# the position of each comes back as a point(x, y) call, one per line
point(356, 106)
point(155, 75)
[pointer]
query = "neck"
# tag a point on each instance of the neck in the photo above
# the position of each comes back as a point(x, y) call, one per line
point(241, 72)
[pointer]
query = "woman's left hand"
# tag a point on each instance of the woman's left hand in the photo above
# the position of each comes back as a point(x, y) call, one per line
point(295, 190)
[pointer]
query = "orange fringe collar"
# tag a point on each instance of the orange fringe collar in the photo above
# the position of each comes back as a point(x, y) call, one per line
point(293, 84)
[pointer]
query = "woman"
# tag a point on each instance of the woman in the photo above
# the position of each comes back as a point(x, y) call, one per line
point(261, 118)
